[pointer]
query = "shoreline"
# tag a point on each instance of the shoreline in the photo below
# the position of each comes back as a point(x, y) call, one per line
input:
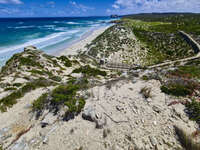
point(74, 46)
point(79, 44)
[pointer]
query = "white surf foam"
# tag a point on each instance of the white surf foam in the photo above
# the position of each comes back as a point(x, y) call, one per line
point(33, 42)
point(22, 27)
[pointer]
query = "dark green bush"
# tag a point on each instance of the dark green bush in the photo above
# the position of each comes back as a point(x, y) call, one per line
point(10, 89)
point(17, 84)
point(39, 103)
point(27, 61)
point(193, 109)
point(56, 78)
point(65, 60)
point(145, 78)
point(35, 71)
point(176, 90)
point(64, 93)
point(180, 87)
point(87, 70)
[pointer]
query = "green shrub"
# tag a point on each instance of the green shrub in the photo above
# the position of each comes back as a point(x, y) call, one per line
point(74, 107)
point(65, 60)
point(39, 103)
point(17, 84)
point(67, 95)
point(145, 78)
point(87, 70)
point(187, 72)
point(176, 90)
point(180, 87)
point(35, 71)
point(56, 78)
point(193, 109)
point(64, 93)
point(75, 62)
point(10, 89)
point(27, 61)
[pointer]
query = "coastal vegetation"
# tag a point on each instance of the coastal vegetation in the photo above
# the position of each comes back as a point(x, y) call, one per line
point(172, 22)
point(116, 39)
point(162, 40)
point(193, 109)
point(63, 95)
point(66, 61)
point(11, 99)
point(89, 71)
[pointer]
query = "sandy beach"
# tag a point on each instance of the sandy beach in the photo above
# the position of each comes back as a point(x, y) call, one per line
point(80, 44)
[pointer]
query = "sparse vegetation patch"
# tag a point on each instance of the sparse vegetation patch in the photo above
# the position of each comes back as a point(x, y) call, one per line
point(11, 99)
point(193, 109)
point(89, 71)
point(65, 60)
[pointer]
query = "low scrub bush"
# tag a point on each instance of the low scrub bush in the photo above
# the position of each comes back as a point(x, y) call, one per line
point(56, 78)
point(39, 103)
point(10, 89)
point(28, 61)
point(62, 95)
point(17, 84)
point(89, 71)
point(35, 71)
point(186, 72)
point(193, 110)
point(180, 87)
point(145, 78)
point(65, 60)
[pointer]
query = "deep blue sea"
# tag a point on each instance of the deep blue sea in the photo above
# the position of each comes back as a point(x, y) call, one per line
point(48, 34)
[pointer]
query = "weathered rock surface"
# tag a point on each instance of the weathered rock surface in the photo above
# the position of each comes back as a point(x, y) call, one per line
point(93, 115)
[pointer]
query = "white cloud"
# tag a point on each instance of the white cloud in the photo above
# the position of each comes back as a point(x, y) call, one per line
point(80, 6)
point(115, 6)
point(8, 11)
point(143, 6)
point(51, 4)
point(11, 2)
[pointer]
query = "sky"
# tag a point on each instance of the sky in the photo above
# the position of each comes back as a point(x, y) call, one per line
point(71, 8)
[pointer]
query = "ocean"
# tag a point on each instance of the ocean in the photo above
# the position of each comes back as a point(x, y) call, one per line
point(48, 34)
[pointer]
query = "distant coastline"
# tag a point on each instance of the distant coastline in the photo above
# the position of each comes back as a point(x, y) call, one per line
point(49, 34)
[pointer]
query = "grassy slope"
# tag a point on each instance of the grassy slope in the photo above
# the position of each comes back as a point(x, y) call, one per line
point(162, 40)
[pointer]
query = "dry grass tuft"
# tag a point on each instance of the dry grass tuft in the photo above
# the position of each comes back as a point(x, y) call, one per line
point(186, 140)
point(146, 92)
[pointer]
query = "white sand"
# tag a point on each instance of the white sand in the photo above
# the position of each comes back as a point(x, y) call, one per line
point(80, 45)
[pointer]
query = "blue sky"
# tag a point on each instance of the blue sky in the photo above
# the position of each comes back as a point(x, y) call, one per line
point(41, 8)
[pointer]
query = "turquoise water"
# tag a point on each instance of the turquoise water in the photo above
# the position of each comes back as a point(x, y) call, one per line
point(48, 34)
